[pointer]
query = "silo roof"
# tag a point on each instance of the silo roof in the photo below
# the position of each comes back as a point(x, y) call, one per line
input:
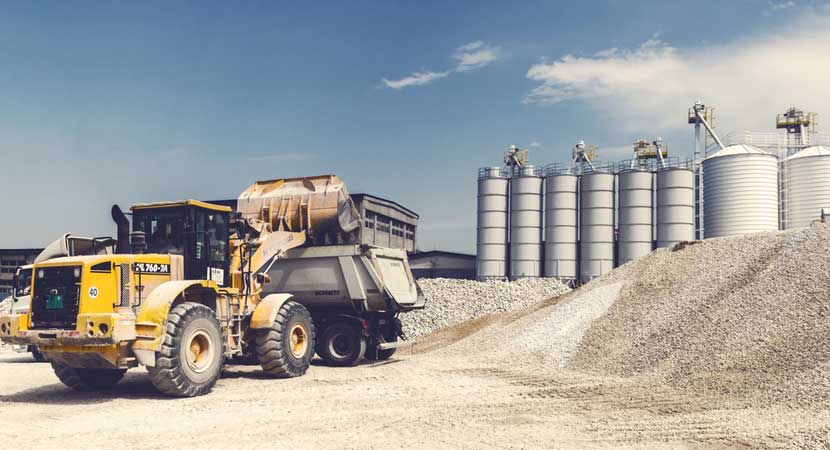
point(738, 149)
point(816, 150)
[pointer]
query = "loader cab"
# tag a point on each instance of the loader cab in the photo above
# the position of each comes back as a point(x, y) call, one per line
point(197, 231)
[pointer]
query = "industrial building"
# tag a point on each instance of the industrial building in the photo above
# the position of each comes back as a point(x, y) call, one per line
point(577, 222)
point(10, 260)
point(384, 223)
point(441, 264)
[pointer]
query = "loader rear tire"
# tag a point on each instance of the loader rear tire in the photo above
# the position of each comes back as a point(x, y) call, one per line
point(341, 344)
point(191, 355)
point(87, 380)
point(285, 350)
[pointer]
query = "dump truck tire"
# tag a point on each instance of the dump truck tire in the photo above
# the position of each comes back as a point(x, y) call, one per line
point(341, 344)
point(36, 354)
point(285, 350)
point(86, 380)
point(373, 353)
point(191, 355)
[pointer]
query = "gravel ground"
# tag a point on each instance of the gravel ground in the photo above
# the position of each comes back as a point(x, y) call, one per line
point(451, 301)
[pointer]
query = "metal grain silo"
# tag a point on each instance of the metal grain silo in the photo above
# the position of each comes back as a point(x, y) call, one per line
point(491, 248)
point(807, 186)
point(675, 206)
point(740, 191)
point(596, 202)
point(560, 224)
point(635, 215)
point(525, 223)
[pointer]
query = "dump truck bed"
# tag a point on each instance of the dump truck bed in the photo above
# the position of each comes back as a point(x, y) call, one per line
point(341, 276)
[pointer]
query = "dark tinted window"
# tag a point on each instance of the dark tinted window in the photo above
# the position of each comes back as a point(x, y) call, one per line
point(24, 282)
point(164, 228)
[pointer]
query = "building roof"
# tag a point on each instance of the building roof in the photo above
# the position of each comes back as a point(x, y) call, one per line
point(816, 150)
point(390, 203)
point(18, 251)
point(739, 149)
point(427, 254)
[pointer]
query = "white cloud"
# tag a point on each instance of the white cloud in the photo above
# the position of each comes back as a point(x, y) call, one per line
point(651, 87)
point(535, 144)
point(416, 79)
point(781, 5)
point(472, 56)
point(475, 55)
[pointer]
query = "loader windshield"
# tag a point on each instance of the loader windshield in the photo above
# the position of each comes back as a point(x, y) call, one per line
point(164, 230)
point(197, 232)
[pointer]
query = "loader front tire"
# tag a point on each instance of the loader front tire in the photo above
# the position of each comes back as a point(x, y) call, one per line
point(87, 380)
point(285, 350)
point(191, 355)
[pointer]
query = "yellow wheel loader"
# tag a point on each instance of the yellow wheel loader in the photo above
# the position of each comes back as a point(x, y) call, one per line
point(188, 289)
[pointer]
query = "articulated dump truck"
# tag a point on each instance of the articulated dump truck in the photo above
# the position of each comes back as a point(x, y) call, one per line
point(192, 285)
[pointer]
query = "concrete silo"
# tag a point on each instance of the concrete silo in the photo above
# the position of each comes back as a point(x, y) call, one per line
point(675, 206)
point(596, 201)
point(491, 248)
point(561, 224)
point(807, 191)
point(525, 223)
point(635, 215)
point(740, 191)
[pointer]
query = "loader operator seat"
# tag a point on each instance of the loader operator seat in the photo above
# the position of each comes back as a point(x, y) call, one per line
point(165, 236)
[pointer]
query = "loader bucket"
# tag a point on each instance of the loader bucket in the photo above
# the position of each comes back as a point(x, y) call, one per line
point(319, 205)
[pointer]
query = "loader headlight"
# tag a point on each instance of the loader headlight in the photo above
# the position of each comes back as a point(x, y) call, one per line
point(40, 273)
point(77, 272)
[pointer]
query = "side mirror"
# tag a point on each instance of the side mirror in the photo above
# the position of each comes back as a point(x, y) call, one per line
point(263, 278)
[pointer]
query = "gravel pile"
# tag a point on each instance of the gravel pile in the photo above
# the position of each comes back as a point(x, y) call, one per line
point(452, 301)
point(549, 336)
point(745, 316)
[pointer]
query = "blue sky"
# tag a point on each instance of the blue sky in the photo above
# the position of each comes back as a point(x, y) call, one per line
point(124, 102)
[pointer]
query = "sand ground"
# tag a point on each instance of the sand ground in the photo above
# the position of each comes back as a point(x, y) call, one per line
point(417, 400)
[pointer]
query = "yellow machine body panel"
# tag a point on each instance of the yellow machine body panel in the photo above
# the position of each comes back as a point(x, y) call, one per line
point(152, 315)
point(108, 288)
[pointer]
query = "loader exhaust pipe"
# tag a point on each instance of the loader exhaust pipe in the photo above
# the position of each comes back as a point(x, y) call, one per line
point(123, 226)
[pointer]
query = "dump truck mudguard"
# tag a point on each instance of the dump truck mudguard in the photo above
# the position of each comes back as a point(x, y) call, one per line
point(151, 319)
point(266, 312)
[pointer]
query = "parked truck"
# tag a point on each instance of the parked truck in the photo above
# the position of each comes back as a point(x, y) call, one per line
point(67, 245)
point(192, 285)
